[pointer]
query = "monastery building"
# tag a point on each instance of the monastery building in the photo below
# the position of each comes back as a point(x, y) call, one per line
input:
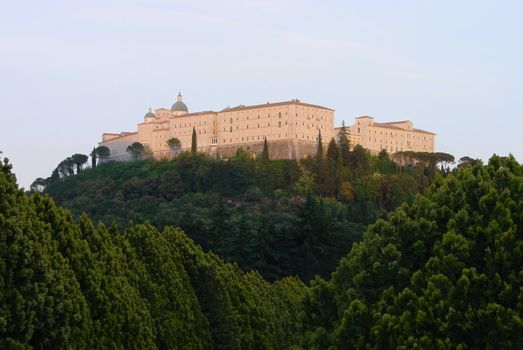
point(290, 127)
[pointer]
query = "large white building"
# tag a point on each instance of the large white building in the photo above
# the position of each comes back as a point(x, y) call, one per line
point(290, 127)
point(392, 136)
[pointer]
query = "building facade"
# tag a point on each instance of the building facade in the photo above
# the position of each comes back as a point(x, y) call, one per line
point(290, 127)
point(392, 136)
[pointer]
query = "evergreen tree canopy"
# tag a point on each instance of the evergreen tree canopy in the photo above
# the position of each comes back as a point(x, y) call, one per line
point(73, 285)
point(442, 273)
point(194, 144)
point(265, 152)
point(319, 152)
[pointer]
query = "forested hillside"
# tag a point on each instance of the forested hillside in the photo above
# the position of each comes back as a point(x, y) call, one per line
point(67, 285)
point(442, 273)
point(279, 217)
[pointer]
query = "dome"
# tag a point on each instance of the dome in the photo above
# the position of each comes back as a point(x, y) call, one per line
point(150, 114)
point(179, 106)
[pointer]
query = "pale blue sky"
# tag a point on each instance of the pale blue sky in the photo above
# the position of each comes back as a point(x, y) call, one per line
point(71, 70)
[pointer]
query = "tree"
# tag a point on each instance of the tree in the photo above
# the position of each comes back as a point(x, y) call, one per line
point(344, 144)
point(103, 153)
point(359, 161)
point(38, 185)
point(383, 155)
point(194, 144)
point(65, 167)
point(332, 151)
point(319, 152)
point(174, 144)
point(346, 192)
point(136, 150)
point(468, 161)
point(305, 184)
point(93, 158)
point(443, 272)
point(79, 160)
point(265, 152)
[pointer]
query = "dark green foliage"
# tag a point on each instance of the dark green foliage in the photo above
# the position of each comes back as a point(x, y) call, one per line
point(136, 150)
point(265, 153)
point(319, 151)
point(344, 144)
point(442, 273)
point(103, 152)
point(79, 160)
point(93, 158)
point(174, 144)
point(247, 210)
point(67, 285)
point(219, 205)
point(194, 144)
point(333, 152)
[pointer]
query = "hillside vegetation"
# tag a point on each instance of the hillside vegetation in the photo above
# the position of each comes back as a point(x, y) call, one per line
point(444, 272)
point(279, 217)
point(67, 285)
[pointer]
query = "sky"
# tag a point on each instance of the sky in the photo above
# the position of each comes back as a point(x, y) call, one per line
point(71, 70)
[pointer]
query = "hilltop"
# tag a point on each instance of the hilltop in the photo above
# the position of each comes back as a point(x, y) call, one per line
point(280, 217)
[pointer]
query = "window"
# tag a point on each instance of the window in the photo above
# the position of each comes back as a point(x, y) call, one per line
point(279, 124)
point(230, 130)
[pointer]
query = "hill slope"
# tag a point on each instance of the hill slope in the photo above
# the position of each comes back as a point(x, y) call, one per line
point(73, 285)
point(443, 273)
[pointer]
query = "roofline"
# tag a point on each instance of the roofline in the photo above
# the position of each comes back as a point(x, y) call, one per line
point(398, 122)
point(425, 131)
point(380, 125)
point(268, 104)
point(192, 114)
point(126, 133)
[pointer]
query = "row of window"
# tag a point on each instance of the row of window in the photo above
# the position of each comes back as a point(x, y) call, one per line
point(231, 120)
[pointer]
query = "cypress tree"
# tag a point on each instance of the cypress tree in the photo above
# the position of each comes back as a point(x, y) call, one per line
point(265, 152)
point(319, 153)
point(332, 151)
point(194, 145)
point(344, 144)
point(93, 158)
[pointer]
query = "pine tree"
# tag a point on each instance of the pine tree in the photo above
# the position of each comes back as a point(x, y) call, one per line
point(194, 145)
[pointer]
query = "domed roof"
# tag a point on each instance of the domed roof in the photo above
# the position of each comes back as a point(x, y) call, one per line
point(150, 114)
point(179, 106)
